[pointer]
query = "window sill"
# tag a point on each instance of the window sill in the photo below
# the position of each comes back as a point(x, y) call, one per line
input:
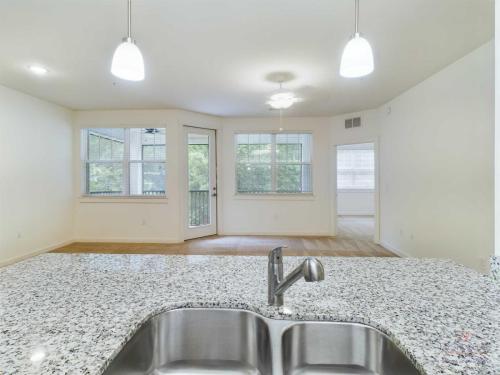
point(276, 196)
point(124, 199)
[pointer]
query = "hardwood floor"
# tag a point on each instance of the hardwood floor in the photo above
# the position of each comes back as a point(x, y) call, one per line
point(353, 239)
point(356, 227)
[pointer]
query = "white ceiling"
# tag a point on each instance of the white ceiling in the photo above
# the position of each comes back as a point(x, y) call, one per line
point(215, 56)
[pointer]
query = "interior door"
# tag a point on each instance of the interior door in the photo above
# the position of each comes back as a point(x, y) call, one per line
point(201, 199)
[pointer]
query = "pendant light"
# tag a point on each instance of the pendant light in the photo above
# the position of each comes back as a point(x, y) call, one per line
point(282, 99)
point(127, 61)
point(357, 58)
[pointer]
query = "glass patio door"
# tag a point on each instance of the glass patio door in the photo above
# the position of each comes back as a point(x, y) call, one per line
point(201, 185)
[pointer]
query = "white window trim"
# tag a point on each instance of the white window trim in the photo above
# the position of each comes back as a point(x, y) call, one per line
point(355, 190)
point(136, 198)
point(273, 194)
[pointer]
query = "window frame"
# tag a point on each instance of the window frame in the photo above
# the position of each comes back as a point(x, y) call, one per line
point(273, 163)
point(126, 163)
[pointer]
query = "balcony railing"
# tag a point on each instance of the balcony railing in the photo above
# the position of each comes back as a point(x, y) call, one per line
point(199, 208)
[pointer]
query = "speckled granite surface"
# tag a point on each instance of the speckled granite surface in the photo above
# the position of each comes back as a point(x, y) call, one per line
point(495, 267)
point(70, 314)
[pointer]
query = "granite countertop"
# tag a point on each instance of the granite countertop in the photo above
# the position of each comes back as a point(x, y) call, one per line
point(71, 314)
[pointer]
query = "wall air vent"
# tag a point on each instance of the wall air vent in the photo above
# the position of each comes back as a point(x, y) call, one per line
point(353, 122)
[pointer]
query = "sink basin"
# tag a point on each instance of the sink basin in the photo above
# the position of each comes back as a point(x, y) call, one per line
point(221, 341)
point(341, 348)
point(197, 341)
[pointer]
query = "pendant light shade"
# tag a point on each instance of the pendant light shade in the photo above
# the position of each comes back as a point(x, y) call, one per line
point(357, 58)
point(127, 60)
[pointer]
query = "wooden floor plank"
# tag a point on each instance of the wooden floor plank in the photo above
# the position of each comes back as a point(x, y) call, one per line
point(354, 239)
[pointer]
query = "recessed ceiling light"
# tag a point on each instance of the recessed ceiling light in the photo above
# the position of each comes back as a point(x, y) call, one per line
point(38, 70)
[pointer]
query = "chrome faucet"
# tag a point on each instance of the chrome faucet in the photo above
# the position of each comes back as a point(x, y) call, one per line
point(311, 269)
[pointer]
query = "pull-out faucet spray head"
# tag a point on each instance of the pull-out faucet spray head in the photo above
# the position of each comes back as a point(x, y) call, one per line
point(313, 270)
point(310, 269)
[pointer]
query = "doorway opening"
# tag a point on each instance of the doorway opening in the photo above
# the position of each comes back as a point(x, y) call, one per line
point(201, 202)
point(356, 191)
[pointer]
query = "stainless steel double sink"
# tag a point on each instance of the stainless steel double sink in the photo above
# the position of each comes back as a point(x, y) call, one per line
point(220, 341)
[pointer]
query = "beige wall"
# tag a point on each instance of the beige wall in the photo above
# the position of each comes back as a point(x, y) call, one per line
point(136, 219)
point(436, 159)
point(36, 184)
point(290, 214)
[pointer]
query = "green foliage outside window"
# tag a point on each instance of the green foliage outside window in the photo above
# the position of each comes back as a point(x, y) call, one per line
point(254, 168)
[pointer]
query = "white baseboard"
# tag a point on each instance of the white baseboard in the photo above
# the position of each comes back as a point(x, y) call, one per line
point(356, 213)
point(31, 254)
point(129, 240)
point(291, 234)
point(395, 250)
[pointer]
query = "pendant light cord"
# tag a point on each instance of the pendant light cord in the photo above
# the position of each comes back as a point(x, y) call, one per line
point(356, 16)
point(130, 19)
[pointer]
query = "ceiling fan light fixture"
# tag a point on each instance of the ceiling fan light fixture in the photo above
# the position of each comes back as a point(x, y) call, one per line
point(128, 63)
point(38, 70)
point(282, 100)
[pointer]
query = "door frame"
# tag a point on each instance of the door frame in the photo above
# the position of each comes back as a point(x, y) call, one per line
point(376, 193)
point(189, 233)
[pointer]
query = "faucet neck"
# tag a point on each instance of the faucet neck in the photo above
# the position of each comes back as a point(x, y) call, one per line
point(275, 276)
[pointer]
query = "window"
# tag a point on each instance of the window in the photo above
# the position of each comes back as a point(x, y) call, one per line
point(273, 163)
point(356, 167)
point(124, 162)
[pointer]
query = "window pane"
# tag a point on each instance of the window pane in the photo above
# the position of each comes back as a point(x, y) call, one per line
point(293, 178)
point(199, 166)
point(288, 171)
point(253, 148)
point(199, 179)
point(293, 148)
point(153, 152)
point(147, 144)
point(147, 178)
point(93, 147)
point(105, 150)
point(105, 178)
point(254, 178)
point(105, 144)
point(105, 162)
point(356, 167)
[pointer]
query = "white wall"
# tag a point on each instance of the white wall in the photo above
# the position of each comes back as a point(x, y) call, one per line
point(306, 215)
point(136, 219)
point(494, 269)
point(36, 184)
point(367, 133)
point(355, 203)
point(436, 160)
